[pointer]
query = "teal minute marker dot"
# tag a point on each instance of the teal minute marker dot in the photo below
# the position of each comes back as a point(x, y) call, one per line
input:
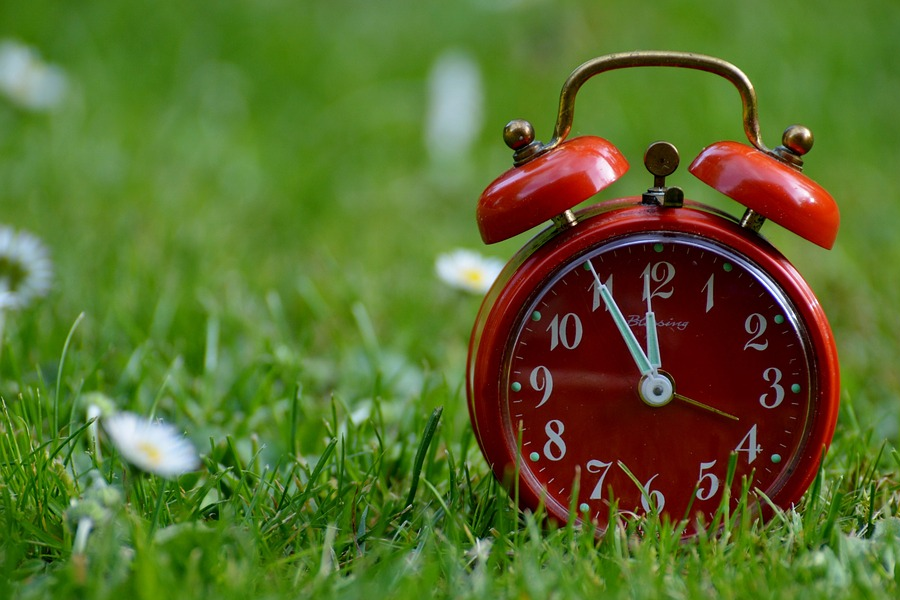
point(796, 388)
point(583, 507)
point(658, 247)
point(776, 458)
point(516, 386)
point(536, 315)
point(779, 319)
point(534, 456)
point(727, 267)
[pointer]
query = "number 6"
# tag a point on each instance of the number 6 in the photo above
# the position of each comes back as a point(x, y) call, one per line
point(649, 496)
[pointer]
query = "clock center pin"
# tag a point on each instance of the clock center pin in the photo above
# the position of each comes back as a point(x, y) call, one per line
point(656, 389)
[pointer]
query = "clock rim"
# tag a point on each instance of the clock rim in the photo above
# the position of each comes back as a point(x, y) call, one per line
point(597, 225)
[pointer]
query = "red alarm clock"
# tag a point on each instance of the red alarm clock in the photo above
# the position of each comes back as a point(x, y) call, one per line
point(651, 354)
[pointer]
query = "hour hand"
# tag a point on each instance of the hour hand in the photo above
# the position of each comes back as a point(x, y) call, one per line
point(650, 323)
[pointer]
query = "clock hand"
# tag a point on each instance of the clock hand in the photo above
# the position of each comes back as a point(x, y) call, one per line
point(656, 362)
point(655, 388)
point(650, 322)
point(634, 347)
point(705, 407)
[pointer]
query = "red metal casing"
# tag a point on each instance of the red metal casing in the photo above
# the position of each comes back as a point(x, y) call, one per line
point(770, 187)
point(502, 307)
point(550, 184)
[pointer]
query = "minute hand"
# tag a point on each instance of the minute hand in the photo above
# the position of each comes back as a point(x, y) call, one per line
point(634, 347)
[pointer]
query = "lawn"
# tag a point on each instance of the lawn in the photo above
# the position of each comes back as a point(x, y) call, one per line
point(244, 202)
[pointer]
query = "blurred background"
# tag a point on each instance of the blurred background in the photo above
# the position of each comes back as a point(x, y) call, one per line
point(309, 158)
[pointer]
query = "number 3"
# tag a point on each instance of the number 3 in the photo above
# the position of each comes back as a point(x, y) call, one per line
point(773, 375)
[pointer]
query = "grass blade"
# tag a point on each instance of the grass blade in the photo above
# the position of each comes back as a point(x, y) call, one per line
point(427, 435)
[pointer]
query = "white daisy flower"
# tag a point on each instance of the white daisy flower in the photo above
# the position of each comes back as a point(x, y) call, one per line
point(151, 446)
point(27, 80)
point(455, 106)
point(468, 270)
point(25, 269)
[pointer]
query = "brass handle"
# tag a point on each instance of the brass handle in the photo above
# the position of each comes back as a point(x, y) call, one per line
point(685, 60)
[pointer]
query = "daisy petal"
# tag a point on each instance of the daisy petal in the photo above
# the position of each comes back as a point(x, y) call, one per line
point(151, 446)
point(25, 269)
point(468, 270)
point(27, 80)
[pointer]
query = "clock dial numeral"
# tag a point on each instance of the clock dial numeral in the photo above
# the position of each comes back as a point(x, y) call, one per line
point(710, 295)
point(541, 381)
point(555, 448)
point(661, 273)
point(565, 331)
point(652, 500)
point(597, 301)
point(755, 325)
point(773, 376)
point(707, 478)
point(749, 445)
point(598, 466)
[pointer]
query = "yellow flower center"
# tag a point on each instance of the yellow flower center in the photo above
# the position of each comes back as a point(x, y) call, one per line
point(473, 276)
point(151, 452)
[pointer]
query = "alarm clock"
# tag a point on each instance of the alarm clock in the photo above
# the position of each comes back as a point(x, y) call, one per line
point(651, 354)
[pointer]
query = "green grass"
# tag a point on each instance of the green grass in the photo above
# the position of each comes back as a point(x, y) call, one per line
point(244, 221)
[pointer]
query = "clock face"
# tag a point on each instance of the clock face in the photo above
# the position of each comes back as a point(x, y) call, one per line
point(640, 368)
